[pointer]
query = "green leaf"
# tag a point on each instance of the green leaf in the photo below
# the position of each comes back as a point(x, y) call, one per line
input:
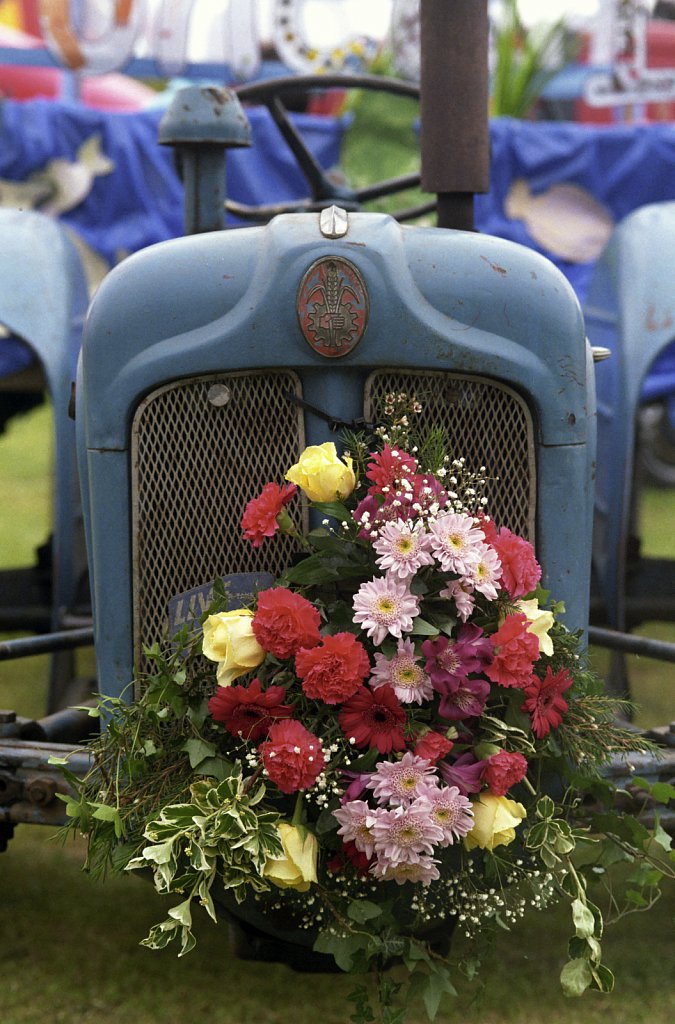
point(423, 628)
point(312, 570)
point(198, 751)
point(575, 977)
point(662, 792)
point(438, 984)
point(333, 509)
point(363, 910)
point(603, 977)
point(584, 922)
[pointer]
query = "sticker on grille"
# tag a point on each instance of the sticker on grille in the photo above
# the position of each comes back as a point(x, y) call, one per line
point(201, 448)
point(486, 422)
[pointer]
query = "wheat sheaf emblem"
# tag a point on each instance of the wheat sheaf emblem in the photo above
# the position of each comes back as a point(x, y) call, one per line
point(332, 306)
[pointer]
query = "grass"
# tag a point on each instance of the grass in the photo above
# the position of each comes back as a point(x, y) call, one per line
point(69, 946)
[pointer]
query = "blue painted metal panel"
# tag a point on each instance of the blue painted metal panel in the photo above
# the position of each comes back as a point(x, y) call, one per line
point(439, 300)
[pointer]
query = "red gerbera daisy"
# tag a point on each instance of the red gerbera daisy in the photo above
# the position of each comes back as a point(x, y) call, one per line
point(260, 519)
point(374, 719)
point(248, 710)
point(544, 701)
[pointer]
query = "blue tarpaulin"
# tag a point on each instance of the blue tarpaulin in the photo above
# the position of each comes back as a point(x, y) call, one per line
point(620, 167)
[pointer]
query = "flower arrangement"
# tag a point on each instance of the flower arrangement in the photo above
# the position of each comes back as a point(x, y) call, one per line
point(397, 739)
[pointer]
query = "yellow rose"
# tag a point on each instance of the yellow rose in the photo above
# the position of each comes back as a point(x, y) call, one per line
point(229, 640)
point(322, 475)
point(540, 623)
point(296, 868)
point(495, 819)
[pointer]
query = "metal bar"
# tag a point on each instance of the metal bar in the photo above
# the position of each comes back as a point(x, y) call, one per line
point(26, 647)
point(454, 106)
point(630, 644)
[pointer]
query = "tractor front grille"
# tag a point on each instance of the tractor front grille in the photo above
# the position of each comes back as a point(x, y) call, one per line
point(486, 422)
point(201, 448)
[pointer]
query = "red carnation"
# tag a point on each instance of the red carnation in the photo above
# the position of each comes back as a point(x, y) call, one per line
point(248, 711)
point(433, 746)
point(521, 571)
point(504, 770)
point(516, 650)
point(260, 519)
point(333, 671)
point(285, 622)
point(292, 756)
point(374, 719)
point(544, 701)
point(350, 855)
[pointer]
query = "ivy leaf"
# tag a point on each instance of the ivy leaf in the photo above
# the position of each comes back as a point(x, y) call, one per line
point(198, 751)
point(363, 910)
point(438, 984)
point(575, 977)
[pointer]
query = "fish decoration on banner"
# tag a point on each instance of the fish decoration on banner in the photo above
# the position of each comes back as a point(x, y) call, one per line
point(61, 184)
point(565, 220)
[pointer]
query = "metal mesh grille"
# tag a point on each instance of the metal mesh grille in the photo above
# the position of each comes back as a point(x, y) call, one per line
point(201, 448)
point(486, 422)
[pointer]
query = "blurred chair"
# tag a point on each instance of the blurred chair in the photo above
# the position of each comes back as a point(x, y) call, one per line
point(630, 309)
point(43, 300)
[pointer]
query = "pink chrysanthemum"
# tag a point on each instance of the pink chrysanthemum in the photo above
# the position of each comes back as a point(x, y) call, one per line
point(404, 674)
point(355, 820)
point(452, 812)
point(400, 782)
point(403, 548)
point(385, 606)
point(485, 573)
point(405, 834)
point(423, 871)
point(461, 593)
point(454, 540)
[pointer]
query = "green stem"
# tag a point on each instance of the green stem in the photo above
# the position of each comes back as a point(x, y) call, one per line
point(297, 811)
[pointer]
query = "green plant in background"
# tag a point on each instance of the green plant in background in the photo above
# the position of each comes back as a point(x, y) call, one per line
point(522, 62)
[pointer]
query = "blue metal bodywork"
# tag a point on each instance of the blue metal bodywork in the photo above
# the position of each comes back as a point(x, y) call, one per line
point(629, 309)
point(439, 299)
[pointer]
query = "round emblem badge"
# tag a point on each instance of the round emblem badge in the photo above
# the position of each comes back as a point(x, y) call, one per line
point(332, 307)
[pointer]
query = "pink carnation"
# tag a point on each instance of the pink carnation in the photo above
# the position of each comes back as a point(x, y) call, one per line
point(504, 770)
point(433, 746)
point(516, 650)
point(521, 571)
point(260, 519)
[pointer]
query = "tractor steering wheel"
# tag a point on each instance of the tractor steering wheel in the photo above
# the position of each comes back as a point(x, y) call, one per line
point(323, 190)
